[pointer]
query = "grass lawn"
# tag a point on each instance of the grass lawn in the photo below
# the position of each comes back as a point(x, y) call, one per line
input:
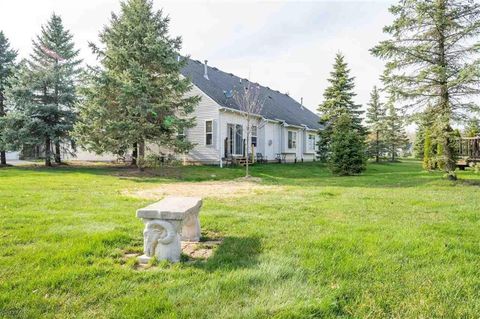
point(394, 242)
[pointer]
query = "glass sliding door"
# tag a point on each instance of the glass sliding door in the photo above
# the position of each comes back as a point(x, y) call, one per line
point(230, 139)
point(234, 139)
point(238, 139)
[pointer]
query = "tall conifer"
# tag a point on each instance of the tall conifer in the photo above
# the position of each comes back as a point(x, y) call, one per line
point(433, 58)
point(7, 66)
point(338, 100)
point(44, 92)
point(375, 118)
point(395, 135)
point(137, 95)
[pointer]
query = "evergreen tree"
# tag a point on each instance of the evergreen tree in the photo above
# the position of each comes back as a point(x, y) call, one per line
point(424, 121)
point(419, 144)
point(473, 127)
point(7, 66)
point(347, 147)
point(433, 58)
point(56, 61)
point(338, 100)
point(395, 135)
point(376, 123)
point(137, 96)
point(44, 92)
point(427, 151)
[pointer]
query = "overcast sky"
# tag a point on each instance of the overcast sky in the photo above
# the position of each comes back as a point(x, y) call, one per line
point(288, 46)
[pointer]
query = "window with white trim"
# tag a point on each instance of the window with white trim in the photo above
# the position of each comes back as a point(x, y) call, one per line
point(254, 135)
point(182, 134)
point(292, 139)
point(209, 132)
point(311, 142)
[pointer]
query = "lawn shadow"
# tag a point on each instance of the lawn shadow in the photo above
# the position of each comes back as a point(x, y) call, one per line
point(405, 173)
point(233, 253)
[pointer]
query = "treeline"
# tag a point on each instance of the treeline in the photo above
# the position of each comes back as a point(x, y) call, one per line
point(432, 72)
point(135, 97)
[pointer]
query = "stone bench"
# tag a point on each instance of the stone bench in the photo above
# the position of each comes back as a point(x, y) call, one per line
point(166, 223)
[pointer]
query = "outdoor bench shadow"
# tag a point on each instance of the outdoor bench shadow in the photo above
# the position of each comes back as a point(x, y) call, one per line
point(233, 253)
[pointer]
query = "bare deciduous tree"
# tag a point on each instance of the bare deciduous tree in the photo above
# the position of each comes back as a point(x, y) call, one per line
point(250, 100)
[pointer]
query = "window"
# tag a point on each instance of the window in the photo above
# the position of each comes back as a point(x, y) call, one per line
point(292, 139)
point(209, 132)
point(254, 136)
point(182, 134)
point(238, 139)
point(311, 142)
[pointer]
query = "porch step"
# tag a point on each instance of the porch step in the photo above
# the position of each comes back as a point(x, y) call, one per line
point(238, 161)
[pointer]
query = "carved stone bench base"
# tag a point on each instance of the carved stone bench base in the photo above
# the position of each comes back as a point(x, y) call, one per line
point(165, 223)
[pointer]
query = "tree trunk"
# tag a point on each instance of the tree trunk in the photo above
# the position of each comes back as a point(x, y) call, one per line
point(377, 155)
point(48, 160)
point(450, 163)
point(141, 155)
point(3, 157)
point(134, 154)
point(58, 159)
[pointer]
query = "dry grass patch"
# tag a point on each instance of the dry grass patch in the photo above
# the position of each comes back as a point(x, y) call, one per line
point(210, 189)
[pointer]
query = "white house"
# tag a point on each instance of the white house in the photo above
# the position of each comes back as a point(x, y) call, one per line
point(285, 128)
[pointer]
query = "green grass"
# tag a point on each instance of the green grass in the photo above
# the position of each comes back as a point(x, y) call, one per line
point(394, 242)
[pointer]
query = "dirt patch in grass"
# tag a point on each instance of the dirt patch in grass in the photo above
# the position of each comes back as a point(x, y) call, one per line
point(191, 252)
point(212, 189)
point(201, 250)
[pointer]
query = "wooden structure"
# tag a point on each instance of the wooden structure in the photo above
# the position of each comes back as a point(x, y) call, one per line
point(468, 151)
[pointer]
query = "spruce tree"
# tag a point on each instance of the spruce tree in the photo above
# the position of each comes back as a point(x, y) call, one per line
point(395, 135)
point(375, 119)
point(433, 59)
point(7, 67)
point(338, 100)
point(347, 147)
point(55, 56)
point(44, 92)
point(136, 96)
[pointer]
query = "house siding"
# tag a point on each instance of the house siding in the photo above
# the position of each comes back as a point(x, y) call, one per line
point(207, 109)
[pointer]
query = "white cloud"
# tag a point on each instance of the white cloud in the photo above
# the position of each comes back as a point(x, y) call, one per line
point(288, 46)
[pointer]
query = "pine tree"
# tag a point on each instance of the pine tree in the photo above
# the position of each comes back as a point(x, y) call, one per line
point(44, 92)
point(395, 135)
point(137, 95)
point(7, 67)
point(375, 119)
point(347, 147)
point(338, 100)
point(473, 127)
point(432, 58)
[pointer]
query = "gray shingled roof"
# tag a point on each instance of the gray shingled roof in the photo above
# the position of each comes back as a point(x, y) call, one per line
point(278, 106)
